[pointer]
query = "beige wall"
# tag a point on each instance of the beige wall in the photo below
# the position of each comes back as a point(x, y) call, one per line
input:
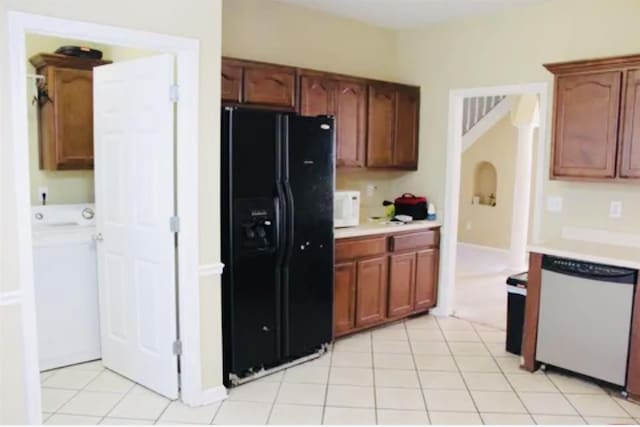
point(269, 31)
point(64, 186)
point(201, 20)
point(509, 48)
point(489, 225)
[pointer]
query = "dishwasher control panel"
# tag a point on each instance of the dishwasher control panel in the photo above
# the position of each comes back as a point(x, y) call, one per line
point(589, 270)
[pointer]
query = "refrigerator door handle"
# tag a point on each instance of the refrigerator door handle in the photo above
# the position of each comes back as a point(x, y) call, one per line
point(281, 222)
point(290, 221)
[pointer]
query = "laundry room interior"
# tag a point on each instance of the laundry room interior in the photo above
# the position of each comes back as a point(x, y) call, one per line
point(64, 215)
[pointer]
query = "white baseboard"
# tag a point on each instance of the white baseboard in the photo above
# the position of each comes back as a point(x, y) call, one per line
point(211, 395)
point(211, 269)
point(485, 248)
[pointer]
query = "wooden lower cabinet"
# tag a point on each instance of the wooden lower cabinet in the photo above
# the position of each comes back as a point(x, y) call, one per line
point(402, 280)
point(426, 292)
point(371, 289)
point(344, 297)
point(375, 283)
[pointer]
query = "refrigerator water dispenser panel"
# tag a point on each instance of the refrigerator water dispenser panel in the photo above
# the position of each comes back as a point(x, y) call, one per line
point(256, 225)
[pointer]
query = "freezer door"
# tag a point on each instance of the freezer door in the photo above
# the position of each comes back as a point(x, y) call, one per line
point(308, 268)
point(251, 242)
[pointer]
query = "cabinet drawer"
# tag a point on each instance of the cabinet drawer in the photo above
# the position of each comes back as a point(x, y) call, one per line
point(414, 240)
point(351, 249)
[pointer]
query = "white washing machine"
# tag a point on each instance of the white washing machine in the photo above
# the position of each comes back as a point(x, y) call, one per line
point(66, 284)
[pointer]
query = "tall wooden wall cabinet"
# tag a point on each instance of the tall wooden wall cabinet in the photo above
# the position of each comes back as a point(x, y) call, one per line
point(65, 111)
point(596, 130)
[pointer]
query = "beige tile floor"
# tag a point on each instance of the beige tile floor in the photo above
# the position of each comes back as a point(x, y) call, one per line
point(420, 371)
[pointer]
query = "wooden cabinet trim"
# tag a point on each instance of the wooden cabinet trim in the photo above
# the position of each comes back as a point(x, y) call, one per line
point(633, 369)
point(342, 325)
point(402, 284)
point(629, 152)
point(426, 292)
point(595, 64)
point(562, 134)
point(360, 248)
point(531, 309)
point(408, 241)
point(371, 304)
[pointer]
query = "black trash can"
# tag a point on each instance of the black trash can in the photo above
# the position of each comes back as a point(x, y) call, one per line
point(516, 297)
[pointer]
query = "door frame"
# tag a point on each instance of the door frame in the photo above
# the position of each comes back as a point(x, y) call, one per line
point(186, 52)
point(447, 277)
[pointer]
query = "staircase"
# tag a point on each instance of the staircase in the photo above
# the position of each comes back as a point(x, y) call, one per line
point(475, 109)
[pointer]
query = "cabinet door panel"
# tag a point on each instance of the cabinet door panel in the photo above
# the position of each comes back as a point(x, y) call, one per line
point(630, 150)
point(381, 125)
point(426, 279)
point(231, 83)
point(408, 110)
point(344, 298)
point(586, 128)
point(402, 277)
point(371, 291)
point(269, 86)
point(350, 113)
point(72, 94)
point(316, 96)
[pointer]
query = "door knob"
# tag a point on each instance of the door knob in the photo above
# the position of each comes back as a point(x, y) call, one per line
point(98, 237)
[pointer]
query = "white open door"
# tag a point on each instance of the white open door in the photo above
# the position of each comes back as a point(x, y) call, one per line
point(134, 181)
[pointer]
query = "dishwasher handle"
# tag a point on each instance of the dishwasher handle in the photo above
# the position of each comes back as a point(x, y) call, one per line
point(589, 270)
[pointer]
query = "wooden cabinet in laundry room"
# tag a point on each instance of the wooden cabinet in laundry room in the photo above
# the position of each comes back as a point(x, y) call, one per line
point(65, 111)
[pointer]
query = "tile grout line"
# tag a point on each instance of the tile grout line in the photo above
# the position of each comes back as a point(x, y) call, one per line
point(503, 373)
point(373, 372)
point(76, 391)
point(455, 361)
point(417, 372)
point(326, 389)
point(275, 398)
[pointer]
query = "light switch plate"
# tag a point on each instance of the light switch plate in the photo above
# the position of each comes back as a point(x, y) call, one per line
point(615, 209)
point(554, 204)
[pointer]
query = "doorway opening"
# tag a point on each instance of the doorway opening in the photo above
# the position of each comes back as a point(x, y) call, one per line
point(495, 169)
point(98, 251)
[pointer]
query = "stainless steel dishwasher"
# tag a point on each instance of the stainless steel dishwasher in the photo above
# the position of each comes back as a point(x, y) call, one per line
point(585, 318)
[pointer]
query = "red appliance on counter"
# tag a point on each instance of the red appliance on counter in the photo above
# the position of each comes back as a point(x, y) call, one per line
point(412, 205)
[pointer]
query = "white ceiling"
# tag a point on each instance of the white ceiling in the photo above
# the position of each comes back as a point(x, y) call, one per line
point(402, 14)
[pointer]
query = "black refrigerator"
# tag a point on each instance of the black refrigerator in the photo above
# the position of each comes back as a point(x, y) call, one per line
point(277, 238)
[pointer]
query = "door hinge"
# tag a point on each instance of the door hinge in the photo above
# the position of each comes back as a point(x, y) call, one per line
point(177, 347)
point(174, 224)
point(174, 93)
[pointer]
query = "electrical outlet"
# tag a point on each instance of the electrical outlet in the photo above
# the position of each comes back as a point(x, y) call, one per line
point(554, 204)
point(468, 225)
point(615, 209)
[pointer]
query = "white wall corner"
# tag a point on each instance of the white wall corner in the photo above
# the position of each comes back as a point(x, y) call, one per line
point(487, 122)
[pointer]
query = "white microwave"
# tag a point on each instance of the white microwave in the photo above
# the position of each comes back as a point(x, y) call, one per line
point(346, 209)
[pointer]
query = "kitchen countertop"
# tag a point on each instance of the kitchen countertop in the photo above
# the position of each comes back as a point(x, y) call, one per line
point(373, 228)
point(619, 256)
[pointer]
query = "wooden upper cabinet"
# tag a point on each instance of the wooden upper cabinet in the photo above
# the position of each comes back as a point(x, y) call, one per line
point(596, 133)
point(630, 149)
point(407, 117)
point(65, 113)
point(351, 116)
point(371, 289)
point(402, 279)
point(344, 297)
point(317, 96)
point(231, 83)
point(269, 86)
point(381, 125)
point(586, 126)
point(426, 289)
